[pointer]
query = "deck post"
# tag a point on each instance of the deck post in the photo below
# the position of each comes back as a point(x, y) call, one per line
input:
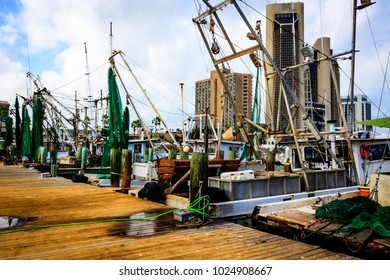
point(172, 154)
point(11, 150)
point(42, 154)
point(115, 162)
point(84, 157)
point(231, 154)
point(69, 149)
point(53, 162)
point(184, 155)
point(126, 170)
point(146, 155)
point(79, 152)
point(198, 175)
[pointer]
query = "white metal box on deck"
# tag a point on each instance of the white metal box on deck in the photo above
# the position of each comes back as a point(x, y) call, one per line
point(257, 187)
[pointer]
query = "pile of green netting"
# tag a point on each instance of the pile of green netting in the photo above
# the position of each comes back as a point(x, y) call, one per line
point(358, 213)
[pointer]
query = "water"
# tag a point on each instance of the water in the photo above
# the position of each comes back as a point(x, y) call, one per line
point(10, 222)
point(142, 228)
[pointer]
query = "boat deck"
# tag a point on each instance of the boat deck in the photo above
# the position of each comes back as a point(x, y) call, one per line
point(73, 221)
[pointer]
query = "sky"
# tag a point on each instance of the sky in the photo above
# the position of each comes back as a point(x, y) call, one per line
point(60, 41)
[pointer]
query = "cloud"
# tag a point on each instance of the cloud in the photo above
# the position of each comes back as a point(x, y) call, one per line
point(161, 44)
point(12, 79)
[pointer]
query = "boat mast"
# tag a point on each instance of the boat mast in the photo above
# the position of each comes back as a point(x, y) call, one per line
point(352, 82)
point(364, 4)
point(111, 38)
point(87, 74)
point(182, 115)
point(76, 121)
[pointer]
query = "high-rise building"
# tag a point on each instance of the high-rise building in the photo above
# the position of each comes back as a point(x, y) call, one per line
point(323, 88)
point(210, 93)
point(4, 113)
point(361, 110)
point(285, 30)
point(312, 83)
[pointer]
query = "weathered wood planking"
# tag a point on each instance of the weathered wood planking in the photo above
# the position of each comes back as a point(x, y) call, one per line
point(302, 223)
point(59, 201)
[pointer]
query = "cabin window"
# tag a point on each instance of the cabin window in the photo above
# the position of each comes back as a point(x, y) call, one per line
point(315, 155)
point(379, 151)
point(137, 148)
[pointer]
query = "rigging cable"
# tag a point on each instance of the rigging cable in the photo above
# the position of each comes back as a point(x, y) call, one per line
point(158, 92)
point(383, 84)
point(142, 102)
point(372, 103)
point(377, 52)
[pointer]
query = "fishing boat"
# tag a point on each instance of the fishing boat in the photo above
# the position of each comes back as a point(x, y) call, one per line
point(312, 158)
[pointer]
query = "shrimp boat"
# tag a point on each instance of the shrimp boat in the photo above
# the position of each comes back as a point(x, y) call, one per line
point(309, 161)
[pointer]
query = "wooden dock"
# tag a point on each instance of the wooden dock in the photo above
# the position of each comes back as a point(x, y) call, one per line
point(73, 221)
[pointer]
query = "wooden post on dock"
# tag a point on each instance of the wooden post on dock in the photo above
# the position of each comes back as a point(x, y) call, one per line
point(11, 150)
point(127, 156)
point(172, 154)
point(79, 152)
point(184, 155)
point(231, 154)
point(84, 158)
point(150, 155)
point(53, 162)
point(69, 149)
point(198, 174)
point(115, 162)
point(42, 154)
point(146, 155)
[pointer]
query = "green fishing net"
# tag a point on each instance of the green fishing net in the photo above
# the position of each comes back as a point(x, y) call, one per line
point(118, 124)
point(358, 213)
point(344, 211)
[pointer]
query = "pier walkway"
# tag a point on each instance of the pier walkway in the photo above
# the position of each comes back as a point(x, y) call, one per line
point(73, 221)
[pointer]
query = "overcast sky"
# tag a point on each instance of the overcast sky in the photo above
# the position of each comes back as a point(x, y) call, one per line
point(164, 48)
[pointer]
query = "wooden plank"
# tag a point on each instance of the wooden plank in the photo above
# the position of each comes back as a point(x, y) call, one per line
point(318, 225)
point(327, 231)
point(287, 220)
point(357, 241)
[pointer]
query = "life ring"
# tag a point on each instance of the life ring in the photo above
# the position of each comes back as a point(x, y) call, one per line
point(364, 152)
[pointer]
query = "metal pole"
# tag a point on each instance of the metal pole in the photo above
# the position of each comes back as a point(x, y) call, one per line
point(182, 114)
point(352, 85)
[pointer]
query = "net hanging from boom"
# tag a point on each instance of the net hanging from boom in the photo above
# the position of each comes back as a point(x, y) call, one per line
point(118, 123)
